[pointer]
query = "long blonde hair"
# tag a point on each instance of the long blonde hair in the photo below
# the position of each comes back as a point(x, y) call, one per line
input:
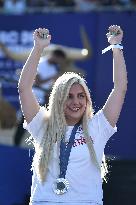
point(56, 123)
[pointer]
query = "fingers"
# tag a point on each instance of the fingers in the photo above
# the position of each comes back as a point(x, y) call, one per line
point(42, 33)
point(114, 30)
point(115, 34)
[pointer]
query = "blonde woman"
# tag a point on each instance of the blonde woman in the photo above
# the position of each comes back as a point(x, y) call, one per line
point(69, 139)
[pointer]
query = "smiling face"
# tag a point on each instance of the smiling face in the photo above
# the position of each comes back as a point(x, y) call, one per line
point(75, 104)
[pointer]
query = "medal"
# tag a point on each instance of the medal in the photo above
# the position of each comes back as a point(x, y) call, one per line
point(61, 186)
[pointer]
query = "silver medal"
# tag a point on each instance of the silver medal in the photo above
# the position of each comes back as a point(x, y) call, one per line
point(61, 186)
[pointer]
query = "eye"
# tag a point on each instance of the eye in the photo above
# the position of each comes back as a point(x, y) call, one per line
point(81, 95)
point(70, 96)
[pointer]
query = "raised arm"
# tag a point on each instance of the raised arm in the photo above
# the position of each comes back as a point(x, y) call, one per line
point(28, 102)
point(113, 105)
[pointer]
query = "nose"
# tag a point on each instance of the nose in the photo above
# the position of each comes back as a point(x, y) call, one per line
point(75, 101)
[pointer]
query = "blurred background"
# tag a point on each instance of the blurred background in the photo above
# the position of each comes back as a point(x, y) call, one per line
point(78, 29)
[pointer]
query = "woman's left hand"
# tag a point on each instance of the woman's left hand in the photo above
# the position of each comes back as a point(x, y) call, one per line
point(115, 34)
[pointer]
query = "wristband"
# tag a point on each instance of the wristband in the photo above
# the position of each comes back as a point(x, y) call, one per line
point(111, 47)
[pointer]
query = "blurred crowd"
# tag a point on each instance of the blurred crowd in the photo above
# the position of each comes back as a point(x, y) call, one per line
point(24, 6)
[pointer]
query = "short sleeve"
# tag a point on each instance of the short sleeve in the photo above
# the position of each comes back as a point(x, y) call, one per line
point(35, 127)
point(101, 127)
point(100, 131)
point(107, 129)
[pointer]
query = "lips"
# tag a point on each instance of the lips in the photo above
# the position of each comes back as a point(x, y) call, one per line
point(74, 109)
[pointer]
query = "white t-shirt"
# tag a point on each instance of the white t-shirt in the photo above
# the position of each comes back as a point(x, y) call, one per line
point(83, 176)
point(45, 70)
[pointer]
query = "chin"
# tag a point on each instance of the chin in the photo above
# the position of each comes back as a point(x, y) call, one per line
point(75, 118)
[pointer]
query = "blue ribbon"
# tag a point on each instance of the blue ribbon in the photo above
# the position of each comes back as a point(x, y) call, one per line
point(65, 151)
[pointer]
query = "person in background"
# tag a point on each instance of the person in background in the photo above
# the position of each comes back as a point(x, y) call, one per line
point(68, 138)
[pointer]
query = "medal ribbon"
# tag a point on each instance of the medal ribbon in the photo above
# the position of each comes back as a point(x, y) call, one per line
point(65, 151)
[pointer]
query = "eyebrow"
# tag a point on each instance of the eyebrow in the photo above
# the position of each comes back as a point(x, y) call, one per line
point(77, 93)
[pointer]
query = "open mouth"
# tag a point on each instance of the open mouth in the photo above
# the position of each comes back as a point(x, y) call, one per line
point(75, 109)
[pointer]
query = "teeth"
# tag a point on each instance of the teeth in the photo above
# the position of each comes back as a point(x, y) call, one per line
point(75, 109)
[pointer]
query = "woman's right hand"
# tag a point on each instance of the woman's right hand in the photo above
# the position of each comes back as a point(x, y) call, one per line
point(39, 41)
